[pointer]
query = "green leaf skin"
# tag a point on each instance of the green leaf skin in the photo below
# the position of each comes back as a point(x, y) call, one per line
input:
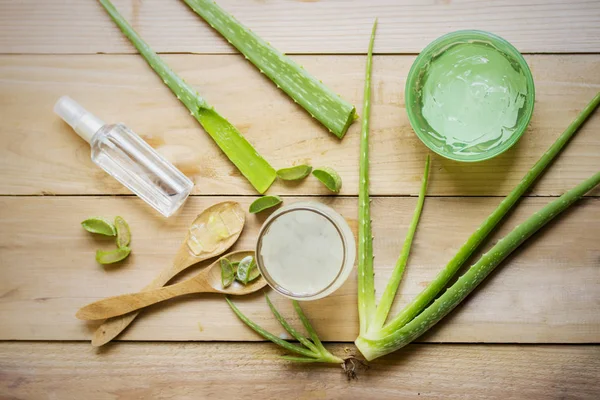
point(295, 334)
point(264, 203)
point(366, 285)
point(442, 279)
point(112, 256)
point(239, 151)
point(328, 177)
point(387, 299)
point(316, 98)
point(386, 341)
point(269, 336)
point(294, 173)
point(100, 226)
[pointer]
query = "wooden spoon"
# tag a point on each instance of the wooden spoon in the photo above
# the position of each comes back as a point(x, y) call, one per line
point(185, 258)
point(206, 281)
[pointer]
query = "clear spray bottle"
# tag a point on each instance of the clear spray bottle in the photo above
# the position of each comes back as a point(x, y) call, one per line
point(128, 158)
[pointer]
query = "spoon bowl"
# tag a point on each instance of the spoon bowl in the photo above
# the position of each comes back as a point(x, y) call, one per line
point(229, 211)
point(206, 281)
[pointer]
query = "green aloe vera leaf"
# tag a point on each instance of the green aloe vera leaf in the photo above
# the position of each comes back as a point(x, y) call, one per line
point(387, 299)
point(99, 225)
point(391, 338)
point(263, 203)
point(269, 336)
point(329, 178)
point(245, 270)
point(112, 256)
point(316, 98)
point(366, 283)
point(123, 232)
point(294, 173)
point(239, 151)
point(419, 302)
point(295, 334)
point(227, 273)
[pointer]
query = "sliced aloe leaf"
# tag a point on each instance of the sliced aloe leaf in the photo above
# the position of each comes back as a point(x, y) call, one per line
point(263, 203)
point(123, 232)
point(294, 173)
point(247, 270)
point(112, 256)
point(329, 178)
point(99, 225)
point(227, 273)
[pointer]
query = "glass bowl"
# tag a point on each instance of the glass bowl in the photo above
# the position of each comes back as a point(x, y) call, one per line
point(459, 100)
point(282, 251)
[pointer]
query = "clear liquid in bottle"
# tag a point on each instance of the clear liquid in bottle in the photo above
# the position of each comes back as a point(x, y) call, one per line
point(129, 159)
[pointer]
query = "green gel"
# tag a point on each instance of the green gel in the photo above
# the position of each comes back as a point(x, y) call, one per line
point(471, 98)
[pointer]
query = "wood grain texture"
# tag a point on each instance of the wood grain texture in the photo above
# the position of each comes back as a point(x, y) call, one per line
point(547, 292)
point(208, 370)
point(299, 26)
point(39, 154)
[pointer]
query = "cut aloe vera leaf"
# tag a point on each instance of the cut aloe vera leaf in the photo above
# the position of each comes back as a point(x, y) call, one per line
point(263, 203)
point(321, 102)
point(100, 226)
point(123, 232)
point(294, 173)
point(239, 151)
point(329, 178)
point(247, 270)
point(112, 256)
point(227, 273)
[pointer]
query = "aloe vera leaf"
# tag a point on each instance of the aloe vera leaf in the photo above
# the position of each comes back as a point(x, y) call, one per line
point(442, 279)
point(300, 359)
point(297, 335)
point(243, 270)
point(328, 177)
point(316, 98)
point(387, 341)
point(387, 299)
point(366, 285)
point(112, 256)
point(264, 203)
point(123, 232)
point(239, 151)
point(99, 225)
point(324, 354)
point(227, 273)
point(269, 336)
point(294, 173)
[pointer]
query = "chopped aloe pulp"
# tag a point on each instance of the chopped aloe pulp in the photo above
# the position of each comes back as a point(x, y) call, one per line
point(329, 178)
point(294, 173)
point(263, 203)
point(99, 225)
point(123, 232)
point(112, 256)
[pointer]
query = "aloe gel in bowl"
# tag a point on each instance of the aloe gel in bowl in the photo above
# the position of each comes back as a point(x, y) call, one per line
point(469, 95)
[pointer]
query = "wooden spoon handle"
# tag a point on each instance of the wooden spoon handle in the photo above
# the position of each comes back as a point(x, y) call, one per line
point(126, 303)
point(112, 327)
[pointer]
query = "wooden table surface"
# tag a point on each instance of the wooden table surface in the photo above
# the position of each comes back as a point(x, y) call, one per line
point(531, 331)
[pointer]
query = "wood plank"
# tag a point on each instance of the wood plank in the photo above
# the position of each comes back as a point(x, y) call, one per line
point(39, 154)
point(548, 292)
point(207, 370)
point(339, 26)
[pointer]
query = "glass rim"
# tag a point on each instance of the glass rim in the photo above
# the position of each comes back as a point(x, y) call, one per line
point(440, 45)
point(300, 206)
